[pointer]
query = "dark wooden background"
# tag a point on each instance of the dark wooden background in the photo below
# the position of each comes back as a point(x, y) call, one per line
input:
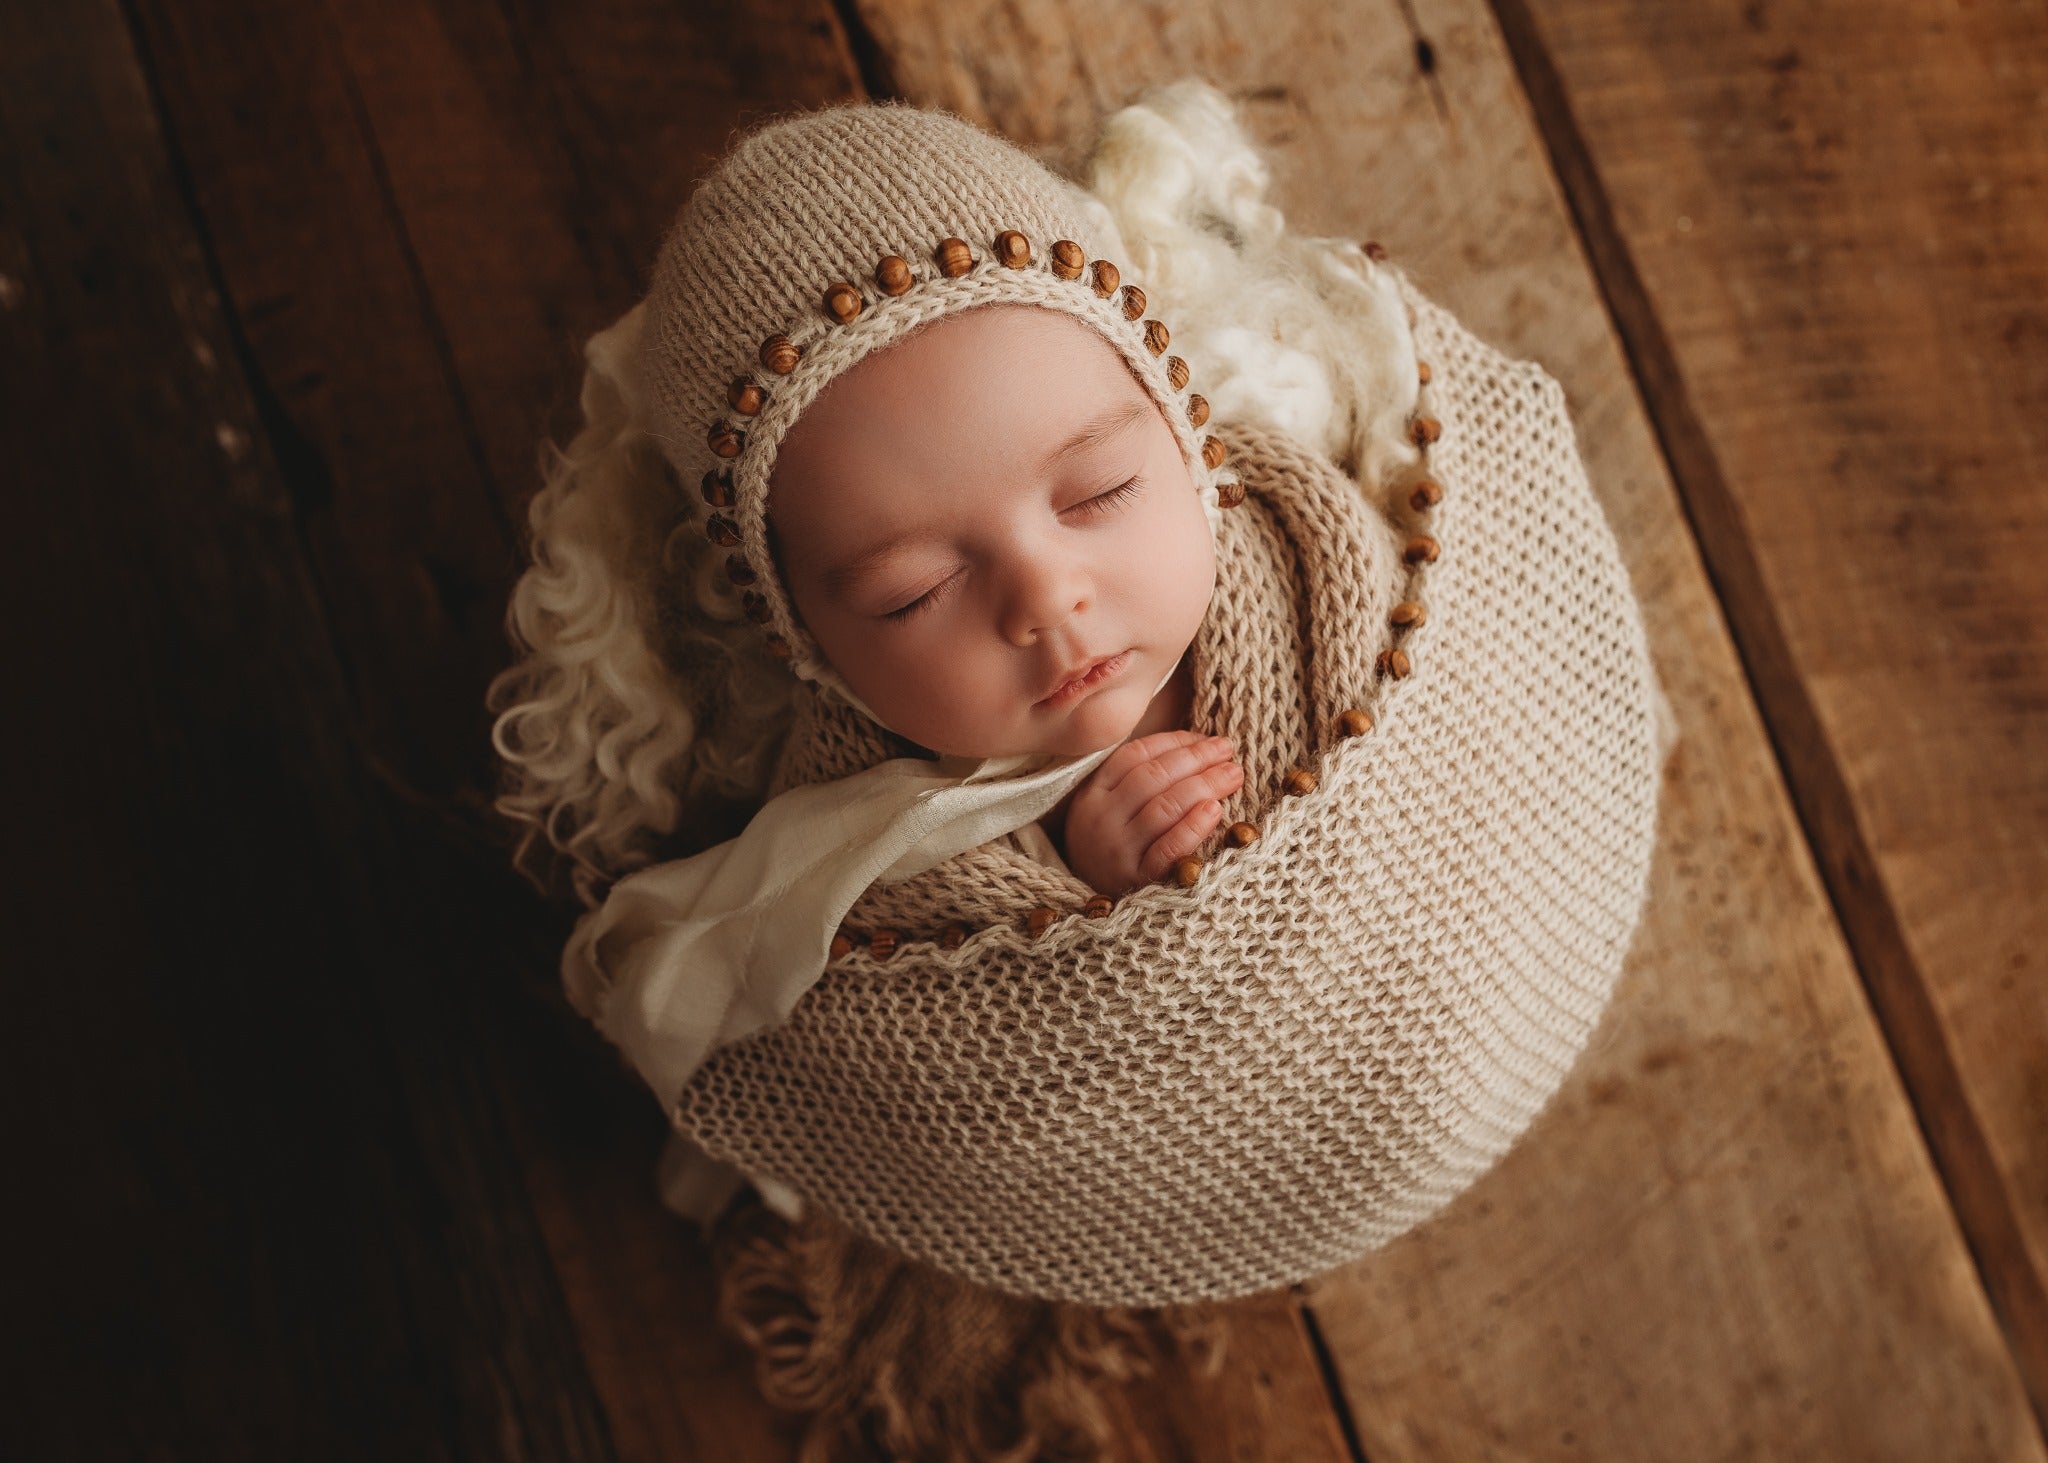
point(310, 1158)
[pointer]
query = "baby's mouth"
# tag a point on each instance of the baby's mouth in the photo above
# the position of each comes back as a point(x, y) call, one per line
point(1077, 686)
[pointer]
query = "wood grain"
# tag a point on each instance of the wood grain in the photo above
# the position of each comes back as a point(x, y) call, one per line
point(261, 1205)
point(320, 1164)
point(495, 183)
point(417, 215)
point(1725, 1236)
point(1824, 233)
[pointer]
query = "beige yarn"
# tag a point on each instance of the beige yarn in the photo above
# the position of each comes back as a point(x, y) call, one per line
point(889, 1358)
point(1217, 1090)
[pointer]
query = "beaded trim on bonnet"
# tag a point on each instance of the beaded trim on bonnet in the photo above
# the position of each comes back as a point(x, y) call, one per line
point(1360, 1002)
point(770, 285)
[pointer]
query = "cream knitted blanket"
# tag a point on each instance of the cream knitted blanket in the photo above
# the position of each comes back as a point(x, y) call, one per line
point(1220, 1089)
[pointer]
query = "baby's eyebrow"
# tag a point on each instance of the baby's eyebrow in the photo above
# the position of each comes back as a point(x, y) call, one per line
point(842, 579)
point(1117, 419)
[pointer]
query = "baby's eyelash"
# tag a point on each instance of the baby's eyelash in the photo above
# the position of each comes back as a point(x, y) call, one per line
point(923, 602)
point(1106, 501)
point(1101, 503)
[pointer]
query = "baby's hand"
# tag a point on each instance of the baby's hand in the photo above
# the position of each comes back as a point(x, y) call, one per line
point(1149, 805)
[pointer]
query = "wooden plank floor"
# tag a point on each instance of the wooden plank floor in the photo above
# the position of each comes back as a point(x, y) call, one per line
point(1844, 342)
point(319, 1163)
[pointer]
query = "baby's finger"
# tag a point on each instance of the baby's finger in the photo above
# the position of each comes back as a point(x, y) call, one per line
point(1170, 806)
point(1182, 839)
point(1138, 749)
point(1172, 764)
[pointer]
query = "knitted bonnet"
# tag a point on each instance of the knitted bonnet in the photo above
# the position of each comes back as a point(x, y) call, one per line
point(825, 236)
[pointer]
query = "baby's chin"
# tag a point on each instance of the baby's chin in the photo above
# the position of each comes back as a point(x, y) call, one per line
point(1095, 725)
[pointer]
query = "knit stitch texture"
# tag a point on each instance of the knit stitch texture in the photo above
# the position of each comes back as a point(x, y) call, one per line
point(1217, 1090)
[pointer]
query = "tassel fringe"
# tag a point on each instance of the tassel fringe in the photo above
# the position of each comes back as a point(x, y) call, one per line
point(891, 1358)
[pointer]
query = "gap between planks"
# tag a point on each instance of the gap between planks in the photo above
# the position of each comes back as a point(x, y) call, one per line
point(1820, 795)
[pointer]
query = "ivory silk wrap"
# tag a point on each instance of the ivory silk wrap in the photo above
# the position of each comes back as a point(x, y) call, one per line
point(1218, 1090)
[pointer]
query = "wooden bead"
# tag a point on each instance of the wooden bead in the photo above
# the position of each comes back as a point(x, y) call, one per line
point(1374, 250)
point(716, 488)
point(756, 606)
point(1106, 278)
point(1427, 494)
point(738, 570)
point(1039, 920)
point(882, 943)
point(893, 276)
point(842, 301)
point(1198, 409)
point(1177, 372)
point(1420, 549)
point(1134, 302)
point(1098, 905)
point(1354, 723)
point(1298, 782)
point(1392, 663)
point(1407, 615)
point(953, 257)
point(722, 531)
point(1422, 372)
point(1213, 451)
point(1068, 259)
point(1013, 250)
point(1156, 336)
point(779, 354)
point(841, 946)
point(1230, 494)
point(725, 439)
point(1425, 430)
point(744, 397)
point(951, 937)
point(1242, 835)
point(779, 648)
point(1187, 871)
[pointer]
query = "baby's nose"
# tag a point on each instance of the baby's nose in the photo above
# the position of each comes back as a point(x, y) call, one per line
point(1044, 604)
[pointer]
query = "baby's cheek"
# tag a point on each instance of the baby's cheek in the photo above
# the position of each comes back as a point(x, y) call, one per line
point(877, 666)
point(959, 699)
point(1190, 575)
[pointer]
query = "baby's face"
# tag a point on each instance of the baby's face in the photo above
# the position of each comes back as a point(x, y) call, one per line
point(956, 545)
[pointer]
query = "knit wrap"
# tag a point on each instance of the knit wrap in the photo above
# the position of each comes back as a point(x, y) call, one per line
point(820, 199)
point(1224, 1088)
